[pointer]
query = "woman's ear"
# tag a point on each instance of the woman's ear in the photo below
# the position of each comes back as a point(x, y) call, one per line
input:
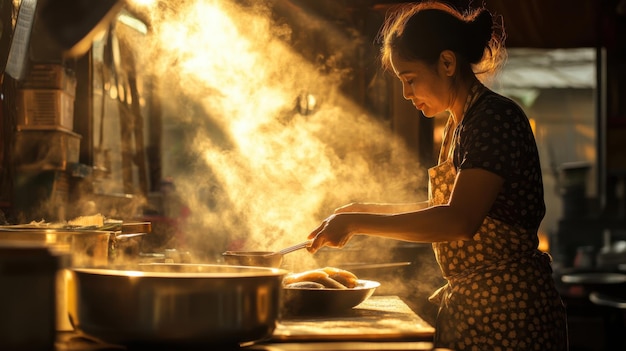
point(447, 61)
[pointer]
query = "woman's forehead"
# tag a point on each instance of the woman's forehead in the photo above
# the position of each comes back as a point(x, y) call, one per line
point(403, 66)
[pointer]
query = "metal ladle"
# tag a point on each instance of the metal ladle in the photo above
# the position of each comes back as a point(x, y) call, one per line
point(295, 247)
point(262, 258)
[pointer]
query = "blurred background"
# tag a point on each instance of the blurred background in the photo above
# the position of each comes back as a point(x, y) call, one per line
point(242, 124)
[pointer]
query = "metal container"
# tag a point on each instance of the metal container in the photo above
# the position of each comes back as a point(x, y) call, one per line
point(89, 248)
point(45, 109)
point(253, 258)
point(27, 298)
point(262, 258)
point(47, 149)
point(176, 304)
point(326, 301)
point(86, 249)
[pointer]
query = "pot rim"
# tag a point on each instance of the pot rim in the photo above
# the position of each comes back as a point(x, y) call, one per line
point(48, 231)
point(233, 272)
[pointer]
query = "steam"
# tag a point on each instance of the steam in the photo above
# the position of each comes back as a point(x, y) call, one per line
point(256, 171)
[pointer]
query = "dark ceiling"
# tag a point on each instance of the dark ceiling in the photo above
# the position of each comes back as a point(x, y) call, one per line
point(554, 23)
point(529, 23)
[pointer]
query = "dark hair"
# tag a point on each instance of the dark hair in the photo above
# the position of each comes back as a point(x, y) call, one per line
point(422, 31)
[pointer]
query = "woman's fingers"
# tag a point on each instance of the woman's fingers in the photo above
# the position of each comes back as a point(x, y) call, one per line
point(314, 235)
point(318, 236)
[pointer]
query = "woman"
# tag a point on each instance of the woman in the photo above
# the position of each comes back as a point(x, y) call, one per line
point(485, 194)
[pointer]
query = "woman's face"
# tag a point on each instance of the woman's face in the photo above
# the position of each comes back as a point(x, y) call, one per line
point(426, 86)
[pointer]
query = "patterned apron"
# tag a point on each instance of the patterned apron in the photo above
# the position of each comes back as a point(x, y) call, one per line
point(500, 294)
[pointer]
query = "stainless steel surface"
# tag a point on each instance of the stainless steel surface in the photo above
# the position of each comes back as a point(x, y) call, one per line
point(262, 258)
point(326, 301)
point(176, 303)
point(87, 223)
point(607, 300)
point(136, 227)
point(594, 278)
point(253, 258)
point(89, 248)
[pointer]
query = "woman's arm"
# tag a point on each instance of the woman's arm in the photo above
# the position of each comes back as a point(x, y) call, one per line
point(475, 191)
point(383, 208)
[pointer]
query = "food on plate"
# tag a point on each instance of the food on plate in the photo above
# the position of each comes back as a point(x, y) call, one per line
point(346, 278)
point(327, 277)
point(305, 285)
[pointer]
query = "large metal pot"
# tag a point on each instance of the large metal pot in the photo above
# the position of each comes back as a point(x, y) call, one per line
point(88, 248)
point(176, 304)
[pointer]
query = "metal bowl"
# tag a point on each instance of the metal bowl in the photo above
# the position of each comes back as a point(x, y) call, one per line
point(253, 258)
point(324, 300)
point(174, 304)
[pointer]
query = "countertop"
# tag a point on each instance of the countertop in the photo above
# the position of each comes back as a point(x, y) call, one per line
point(377, 318)
point(379, 323)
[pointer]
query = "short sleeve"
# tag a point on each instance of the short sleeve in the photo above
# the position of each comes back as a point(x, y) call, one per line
point(489, 137)
point(495, 135)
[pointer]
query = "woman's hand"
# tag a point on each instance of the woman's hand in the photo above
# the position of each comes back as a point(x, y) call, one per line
point(334, 231)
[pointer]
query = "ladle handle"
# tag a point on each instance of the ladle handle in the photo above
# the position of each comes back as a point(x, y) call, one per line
point(299, 246)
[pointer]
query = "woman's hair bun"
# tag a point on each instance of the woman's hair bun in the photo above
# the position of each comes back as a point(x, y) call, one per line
point(421, 31)
point(480, 33)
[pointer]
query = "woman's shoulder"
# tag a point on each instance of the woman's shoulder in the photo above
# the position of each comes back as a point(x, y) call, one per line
point(493, 107)
point(498, 103)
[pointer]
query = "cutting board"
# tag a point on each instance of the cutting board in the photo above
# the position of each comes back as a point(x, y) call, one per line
point(377, 318)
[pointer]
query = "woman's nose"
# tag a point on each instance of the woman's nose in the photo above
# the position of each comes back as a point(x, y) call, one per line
point(407, 92)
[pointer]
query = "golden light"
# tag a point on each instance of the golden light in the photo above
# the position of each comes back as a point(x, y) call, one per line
point(276, 166)
point(113, 92)
point(142, 3)
point(533, 125)
point(544, 242)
